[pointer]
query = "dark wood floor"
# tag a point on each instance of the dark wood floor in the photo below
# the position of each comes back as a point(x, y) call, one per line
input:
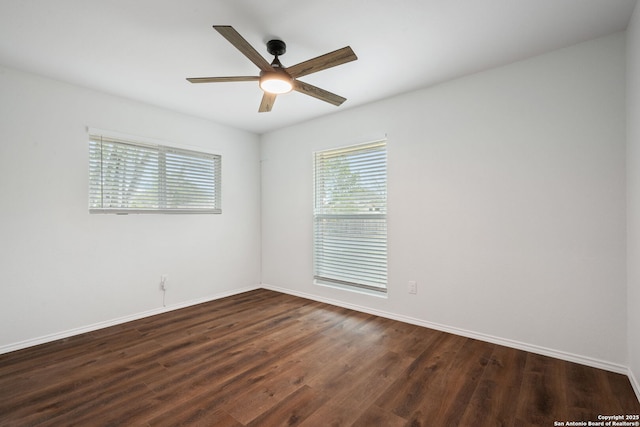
point(266, 359)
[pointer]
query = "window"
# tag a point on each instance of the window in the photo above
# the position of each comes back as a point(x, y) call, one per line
point(350, 217)
point(132, 177)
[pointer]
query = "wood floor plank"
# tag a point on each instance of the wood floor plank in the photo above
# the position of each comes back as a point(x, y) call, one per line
point(412, 393)
point(55, 384)
point(468, 367)
point(340, 412)
point(262, 358)
point(543, 396)
point(376, 416)
point(292, 410)
point(591, 388)
point(194, 414)
point(491, 402)
point(620, 385)
point(267, 392)
point(373, 377)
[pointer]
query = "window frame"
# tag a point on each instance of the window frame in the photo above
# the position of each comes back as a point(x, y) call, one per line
point(163, 174)
point(370, 219)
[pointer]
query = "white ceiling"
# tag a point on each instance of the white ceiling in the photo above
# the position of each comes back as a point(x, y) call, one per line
point(144, 49)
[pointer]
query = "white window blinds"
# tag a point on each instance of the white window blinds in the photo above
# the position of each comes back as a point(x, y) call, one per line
point(131, 177)
point(350, 216)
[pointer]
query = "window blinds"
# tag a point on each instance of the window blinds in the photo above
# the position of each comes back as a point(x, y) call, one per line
point(350, 223)
point(131, 177)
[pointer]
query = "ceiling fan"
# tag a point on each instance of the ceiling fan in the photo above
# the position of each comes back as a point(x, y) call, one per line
point(274, 78)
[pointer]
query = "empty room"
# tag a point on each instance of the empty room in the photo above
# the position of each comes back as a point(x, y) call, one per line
point(320, 213)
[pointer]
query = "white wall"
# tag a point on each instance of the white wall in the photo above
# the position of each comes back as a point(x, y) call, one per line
point(506, 202)
point(633, 193)
point(63, 268)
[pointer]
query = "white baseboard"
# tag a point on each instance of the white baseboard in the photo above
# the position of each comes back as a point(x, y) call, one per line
point(101, 325)
point(570, 357)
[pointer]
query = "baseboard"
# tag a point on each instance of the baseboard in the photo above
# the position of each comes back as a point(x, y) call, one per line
point(101, 325)
point(570, 357)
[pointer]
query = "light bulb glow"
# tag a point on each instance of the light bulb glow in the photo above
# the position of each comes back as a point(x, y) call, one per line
point(276, 82)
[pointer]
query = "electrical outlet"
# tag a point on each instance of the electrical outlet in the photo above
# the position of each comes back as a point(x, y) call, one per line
point(412, 287)
point(163, 282)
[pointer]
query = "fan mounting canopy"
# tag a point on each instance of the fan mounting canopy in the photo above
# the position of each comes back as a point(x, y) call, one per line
point(276, 47)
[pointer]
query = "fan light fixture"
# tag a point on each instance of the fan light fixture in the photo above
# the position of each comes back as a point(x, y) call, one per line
point(276, 82)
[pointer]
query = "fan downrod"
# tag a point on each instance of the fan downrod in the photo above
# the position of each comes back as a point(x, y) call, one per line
point(276, 47)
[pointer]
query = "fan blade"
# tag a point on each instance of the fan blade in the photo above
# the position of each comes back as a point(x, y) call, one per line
point(243, 46)
point(322, 62)
point(267, 102)
point(223, 79)
point(316, 92)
